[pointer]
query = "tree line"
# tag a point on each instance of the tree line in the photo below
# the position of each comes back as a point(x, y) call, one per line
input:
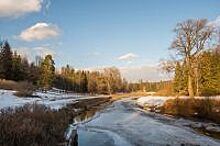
point(14, 67)
point(107, 81)
point(43, 74)
point(17, 68)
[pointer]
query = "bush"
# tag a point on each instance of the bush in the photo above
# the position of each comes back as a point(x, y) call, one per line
point(25, 89)
point(8, 85)
point(207, 109)
point(166, 91)
point(33, 125)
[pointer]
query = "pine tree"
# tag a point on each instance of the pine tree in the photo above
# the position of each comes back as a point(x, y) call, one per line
point(210, 72)
point(17, 70)
point(6, 61)
point(47, 72)
point(180, 79)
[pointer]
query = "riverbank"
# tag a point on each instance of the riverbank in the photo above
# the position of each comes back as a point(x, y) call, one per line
point(37, 124)
point(200, 113)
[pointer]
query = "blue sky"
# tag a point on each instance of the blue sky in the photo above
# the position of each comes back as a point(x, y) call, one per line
point(96, 33)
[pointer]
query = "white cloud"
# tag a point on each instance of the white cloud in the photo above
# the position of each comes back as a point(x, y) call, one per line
point(128, 57)
point(15, 8)
point(39, 31)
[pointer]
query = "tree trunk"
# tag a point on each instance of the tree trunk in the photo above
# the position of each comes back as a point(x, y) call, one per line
point(190, 86)
point(197, 82)
point(190, 78)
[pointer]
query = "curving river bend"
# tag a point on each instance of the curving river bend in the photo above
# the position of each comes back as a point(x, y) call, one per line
point(124, 124)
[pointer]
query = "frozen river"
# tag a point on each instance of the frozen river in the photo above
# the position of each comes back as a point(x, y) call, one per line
point(124, 124)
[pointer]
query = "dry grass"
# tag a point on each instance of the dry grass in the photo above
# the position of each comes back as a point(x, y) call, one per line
point(38, 125)
point(166, 91)
point(33, 125)
point(206, 109)
point(119, 96)
point(8, 85)
point(23, 88)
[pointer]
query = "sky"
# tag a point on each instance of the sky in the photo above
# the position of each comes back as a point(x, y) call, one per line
point(133, 35)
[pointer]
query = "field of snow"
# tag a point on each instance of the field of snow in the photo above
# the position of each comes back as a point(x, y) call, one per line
point(7, 99)
point(54, 100)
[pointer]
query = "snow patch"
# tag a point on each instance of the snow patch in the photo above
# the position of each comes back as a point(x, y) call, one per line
point(152, 100)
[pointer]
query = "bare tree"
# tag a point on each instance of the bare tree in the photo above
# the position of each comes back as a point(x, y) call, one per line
point(191, 38)
point(114, 79)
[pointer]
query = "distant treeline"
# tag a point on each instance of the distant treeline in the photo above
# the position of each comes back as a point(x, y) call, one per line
point(107, 81)
point(43, 74)
point(150, 86)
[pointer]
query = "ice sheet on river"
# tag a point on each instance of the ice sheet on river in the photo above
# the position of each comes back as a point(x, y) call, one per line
point(124, 121)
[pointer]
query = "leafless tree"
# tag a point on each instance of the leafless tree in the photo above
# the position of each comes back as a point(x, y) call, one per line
point(191, 38)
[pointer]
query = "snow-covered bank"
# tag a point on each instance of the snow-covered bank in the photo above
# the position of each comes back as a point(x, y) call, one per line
point(51, 99)
point(7, 99)
point(152, 100)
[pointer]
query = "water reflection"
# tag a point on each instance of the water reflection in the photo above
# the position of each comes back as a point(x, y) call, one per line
point(84, 117)
point(71, 134)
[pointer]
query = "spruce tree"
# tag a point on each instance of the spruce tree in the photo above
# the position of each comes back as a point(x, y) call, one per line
point(6, 61)
point(47, 72)
point(180, 79)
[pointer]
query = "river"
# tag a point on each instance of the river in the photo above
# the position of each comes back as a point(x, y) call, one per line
point(124, 124)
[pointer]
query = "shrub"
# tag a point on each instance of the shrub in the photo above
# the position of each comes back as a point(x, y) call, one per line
point(166, 91)
point(25, 89)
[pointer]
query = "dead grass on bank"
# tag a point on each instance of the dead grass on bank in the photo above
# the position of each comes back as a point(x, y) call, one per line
point(119, 96)
point(166, 91)
point(23, 88)
point(38, 125)
point(204, 109)
point(8, 85)
point(33, 125)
